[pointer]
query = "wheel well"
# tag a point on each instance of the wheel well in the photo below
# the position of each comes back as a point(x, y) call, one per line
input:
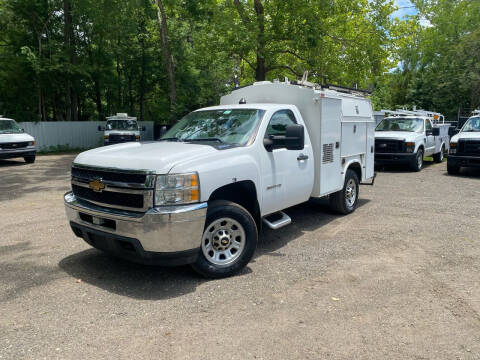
point(421, 147)
point(357, 168)
point(243, 193)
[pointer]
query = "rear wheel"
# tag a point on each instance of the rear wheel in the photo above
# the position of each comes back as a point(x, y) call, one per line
point(29, 159)
point(438, 157)
point(453, 169)
point(228, 242)
point(417, 162)
point(345, 201)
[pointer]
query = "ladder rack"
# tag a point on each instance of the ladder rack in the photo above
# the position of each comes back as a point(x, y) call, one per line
point(437, 118)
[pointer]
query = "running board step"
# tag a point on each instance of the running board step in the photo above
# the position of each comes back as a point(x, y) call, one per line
point(277, 220)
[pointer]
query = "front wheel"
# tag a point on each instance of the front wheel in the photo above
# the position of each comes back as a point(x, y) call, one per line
point(453, 169)
point(29, 159)
point(417, 162)
point(438, 157)
point(345, 201)
point(228, 242)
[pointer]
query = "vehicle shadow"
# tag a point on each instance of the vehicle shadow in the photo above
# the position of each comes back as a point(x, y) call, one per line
point(156, 283)
point(306, 217)
point(401, 168)
point(467, 173)
point(19, 162)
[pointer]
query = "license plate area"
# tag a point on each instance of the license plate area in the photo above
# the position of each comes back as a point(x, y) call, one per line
point(98, 221)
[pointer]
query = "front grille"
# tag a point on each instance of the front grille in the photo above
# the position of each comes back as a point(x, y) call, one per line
point(469, 147)
point(115, 138)
point(14, 145)
point(123, 177)
point(120, 199)
point(390, 146)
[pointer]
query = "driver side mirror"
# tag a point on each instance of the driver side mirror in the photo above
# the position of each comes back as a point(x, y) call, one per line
point(101, 128)
point(294, 139)
point(436, 131)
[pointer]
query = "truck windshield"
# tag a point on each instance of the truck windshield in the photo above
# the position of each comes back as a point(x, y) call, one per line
point(401, 124)
point(121, 125)
point(9, 127)
point(472, 125)
point(229, 126)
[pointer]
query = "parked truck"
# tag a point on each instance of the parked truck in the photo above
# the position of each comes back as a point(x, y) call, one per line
point(14, 142)
point(121, 128)
point(465, 146)
point(201, 194)
point(407, 137)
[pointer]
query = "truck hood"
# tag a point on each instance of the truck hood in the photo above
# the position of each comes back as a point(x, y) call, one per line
point(155, 156)
point(466, 135)
point(8, 138)
point(399, 135)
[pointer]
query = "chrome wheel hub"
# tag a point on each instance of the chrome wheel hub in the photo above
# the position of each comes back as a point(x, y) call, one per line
point(420, 160)
point(351, 193)
point(223, 241)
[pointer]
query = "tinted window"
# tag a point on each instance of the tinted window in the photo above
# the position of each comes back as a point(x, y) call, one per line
point(428, 125)
point(279, 122)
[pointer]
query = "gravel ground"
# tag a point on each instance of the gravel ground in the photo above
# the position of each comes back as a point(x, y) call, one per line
point(398, 279)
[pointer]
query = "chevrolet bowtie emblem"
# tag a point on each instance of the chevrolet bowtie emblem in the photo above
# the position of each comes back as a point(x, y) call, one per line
point(96, 185)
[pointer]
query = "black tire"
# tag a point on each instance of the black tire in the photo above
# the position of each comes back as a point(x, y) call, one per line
point(29, 159)
point(438, 157)
point(217, 210)
point(453, 169)
point(338, 200)
point(417, 164)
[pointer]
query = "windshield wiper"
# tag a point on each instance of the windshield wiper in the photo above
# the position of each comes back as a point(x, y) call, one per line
point(170, 139)
point(205, 139)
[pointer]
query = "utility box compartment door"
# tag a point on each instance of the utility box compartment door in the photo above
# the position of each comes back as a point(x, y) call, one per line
point(370, 155)
point(331, 178)
point(353, 138)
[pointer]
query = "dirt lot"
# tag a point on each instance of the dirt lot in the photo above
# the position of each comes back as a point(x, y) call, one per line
point(398, 279)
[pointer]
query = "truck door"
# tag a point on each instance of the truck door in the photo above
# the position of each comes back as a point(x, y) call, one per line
point(287, 175)
point(430, 139)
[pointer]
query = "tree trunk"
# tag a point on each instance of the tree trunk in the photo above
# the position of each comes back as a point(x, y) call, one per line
point(260, 71)
point(167, 55)
point(67, 34)
point(142, 78)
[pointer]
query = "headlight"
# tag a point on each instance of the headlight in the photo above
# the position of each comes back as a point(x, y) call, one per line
point(105, 137)
point(31, 143)
point(177, 189)
point(137, 137)
point(453, 148)
point(410, 147)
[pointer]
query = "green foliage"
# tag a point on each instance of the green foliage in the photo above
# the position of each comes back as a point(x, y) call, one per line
point(439, 60)
point(87, 59)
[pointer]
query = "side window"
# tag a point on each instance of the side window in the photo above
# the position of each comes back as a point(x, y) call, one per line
point(428, 125)
point(279, 122)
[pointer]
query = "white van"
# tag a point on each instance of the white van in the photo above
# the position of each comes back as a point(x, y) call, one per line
point(14, 142)
point(121, 128)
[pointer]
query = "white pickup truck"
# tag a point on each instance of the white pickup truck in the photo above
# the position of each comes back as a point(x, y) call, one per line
point(406, 137)
point(14, 142)
point(121, 128)
point(200, 195)
point(465, 146)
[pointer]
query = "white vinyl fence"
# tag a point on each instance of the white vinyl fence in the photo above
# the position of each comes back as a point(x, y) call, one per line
point(65, 135)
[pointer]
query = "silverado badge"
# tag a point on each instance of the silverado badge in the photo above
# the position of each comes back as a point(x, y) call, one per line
point(96, 185)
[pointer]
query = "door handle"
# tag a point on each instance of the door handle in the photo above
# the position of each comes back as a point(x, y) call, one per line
point(302, 157)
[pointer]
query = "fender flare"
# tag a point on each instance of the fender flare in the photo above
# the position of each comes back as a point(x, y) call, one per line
point(347, 166)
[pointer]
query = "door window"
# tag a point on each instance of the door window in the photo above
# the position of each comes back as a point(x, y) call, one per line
point(279, 122)
point(428, 125)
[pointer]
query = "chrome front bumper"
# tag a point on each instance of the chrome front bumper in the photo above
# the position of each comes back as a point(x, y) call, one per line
point(169, 229)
